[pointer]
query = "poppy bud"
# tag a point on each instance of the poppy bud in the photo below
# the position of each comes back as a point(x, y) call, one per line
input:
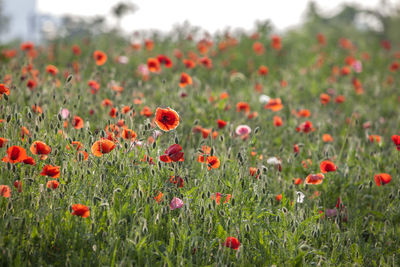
point(256, 130)
point(176, 140)
point(202, 210)
point(360, 187)
point(233, 202)
point(9, 116)
point(221, 138)
point(69, 78)
point(5, 97)
point(196, 121)
point(42, 115)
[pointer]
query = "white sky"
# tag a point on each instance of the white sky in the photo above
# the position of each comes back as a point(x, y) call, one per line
point(211, 15)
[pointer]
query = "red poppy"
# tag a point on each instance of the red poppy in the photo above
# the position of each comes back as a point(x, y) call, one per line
point(77, 122)
point(327, 166)
point(296, 148)
point(4, 90)
point(52, 171)
point(159, 197)
point(274, 104)
point(76, 50)
point(18, 185)
point(321, 39)
point(51, 69)
point(276, 42)
point(305, 127)
point(278, 197)
point(37, 109)
point(185, 80)
point(221, 123)
point(173, 153)
point(149, 44)
point(396, 141)
point(232, 242)
point(80, 210)
point(394, 66)
point(258, 48)
point(340, 99)
point(52, 184)
point(15, 154)
point(153, 65)
point(100, 57)
point(263, 70)
point(305, 113)
point(5, 191)
point(94, 86)
point(3, 141)
point(113, 112)
point(27, 46)
point(177, 180)
point(243, 106)
point(217, 197)
point(31, 84)
point(102, 146)
point(166, 119)
point(190, 64)
point(315, 178)
point(324, 98)
point(206, 62)
point(107, 103)
point(163, 59)
point(277, 121)
point(40, 148)
point(382, 179)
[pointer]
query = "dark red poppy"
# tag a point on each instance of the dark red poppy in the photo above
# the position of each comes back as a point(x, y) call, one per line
point(173, 153)
point(221, 123)
point(305, 127)
point(327, 166)
point(77, 122)
point(396, 141)
point(163, 59)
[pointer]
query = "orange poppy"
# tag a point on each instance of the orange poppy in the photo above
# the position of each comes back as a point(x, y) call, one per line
point(76, 144)
point(102, 146)
point(382, 179)
point(277, 121)
point(80, 210)
point(149, 44)
point(146, 111)
point(305, 113)
point(40, 148)
point(205, 132)
point(263, 70)
point(15, 154)
point(315, 178)
point(125, 109)
point(159, 197)
point(5, 191)
point(278, 197)
point(84, 154)
point(185, 80)
point(375, 138)
point(100, 57)
point(51, 69)
point(327, 166)
point(52, 184)
point(297, 181)
point(37, 109)
point(321, 39)
point(3, 141)
point(128, 134)
point(167, 119)
point(243, 106)
point(153, 65)
point(212, 162)
point(50, 170)
point(327, 138)
point(274, 104)
point(77, 122)
point(107, 103)
point(324, 98)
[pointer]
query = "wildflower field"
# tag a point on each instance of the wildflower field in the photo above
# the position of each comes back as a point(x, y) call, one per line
point(250, 149)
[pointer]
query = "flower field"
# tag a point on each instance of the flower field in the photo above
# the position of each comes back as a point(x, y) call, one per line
point(250, 149)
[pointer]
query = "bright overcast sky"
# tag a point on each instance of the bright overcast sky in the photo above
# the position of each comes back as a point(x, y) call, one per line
point(211, 15)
